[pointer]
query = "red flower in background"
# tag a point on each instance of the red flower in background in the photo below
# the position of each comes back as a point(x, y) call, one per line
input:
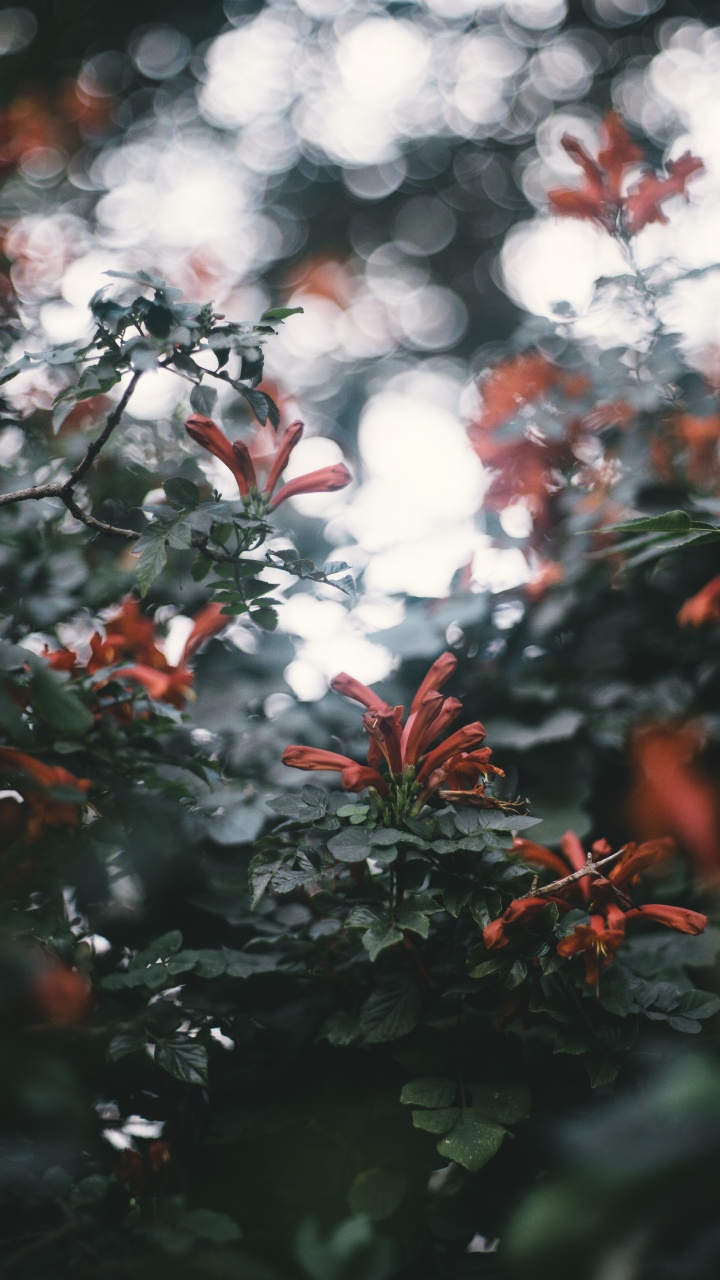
point(670, 792)
point(130, 634)
point(402, 762)
point(39, 806)
point(703, 607)
point(600, 196)
point(238, 458)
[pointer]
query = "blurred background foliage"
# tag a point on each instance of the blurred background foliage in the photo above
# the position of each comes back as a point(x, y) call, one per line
point(386, 167)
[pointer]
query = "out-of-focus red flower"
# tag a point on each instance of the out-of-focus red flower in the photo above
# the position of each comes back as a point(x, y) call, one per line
point(703, 607)
point(321, 276)
point(39, 808)
point(511, 384)
point(547, 574)
point(238, 457)
point(670, 792)
point(644, 200)
point(208, 622)
point(60, 994)
point(138, 1171)
point(402, 763)
point(695, 443)
point(600, 198)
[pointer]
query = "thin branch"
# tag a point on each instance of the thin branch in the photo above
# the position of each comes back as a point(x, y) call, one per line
point(93, 450)
point(64, 488)
point(590, 869)
point(101, 525)
point(35, 491)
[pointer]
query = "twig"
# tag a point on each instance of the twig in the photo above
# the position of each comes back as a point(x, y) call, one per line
point(93, 450)
point(590, 869)
point(64, 489)
point(66, 496)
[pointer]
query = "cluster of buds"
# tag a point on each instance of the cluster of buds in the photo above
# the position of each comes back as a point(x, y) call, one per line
point(603, 894)
point(238, 458)
point(129, 634)
point(602, 197)
point(403, 768)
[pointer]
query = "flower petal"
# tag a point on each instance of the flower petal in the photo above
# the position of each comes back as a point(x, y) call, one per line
point(325, 480)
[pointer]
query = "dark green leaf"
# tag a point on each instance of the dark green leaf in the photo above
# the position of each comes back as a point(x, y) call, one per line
point(183, 1058)
point(471, 1142)
point(377, 1193)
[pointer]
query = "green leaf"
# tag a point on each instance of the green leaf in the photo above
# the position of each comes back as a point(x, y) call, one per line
point(182, 492)
point(207, 1224)
point(350, 845)
point(261, 871)
point(203, 400)
point(281, 313)
point(501, 1103)
point(379, 936)
point(428, 1091)
point(669, 522)
point(436, 1121)
point(377, 1193)
point(126, 1042)
point(455, 897)
point(55, 704)
point(472, 1142)
point(390, 1012)
point(183, 1058)
point(153, 556)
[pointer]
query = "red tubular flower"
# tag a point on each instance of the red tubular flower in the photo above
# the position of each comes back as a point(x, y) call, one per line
point(245, 463)
point(456, 743)
point(173, 686)
point(438, 675)
point(639, 856)
point(352, 688)
point(239, 460)
point(354, 776)
point(521, 911)
point(596, 942)
point(674, 917)
point(536, 855)
point(419, 728)
point(207, 433)
point(325, 480)
point(384, 728)
point(287, 444)
point(413, 775)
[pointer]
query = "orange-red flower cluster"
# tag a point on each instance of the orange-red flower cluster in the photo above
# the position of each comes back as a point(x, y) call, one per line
point(602, 197)
point(411, 766)
point(603, 896)
point(50, 796)
point(130, 634)
point(238, 458)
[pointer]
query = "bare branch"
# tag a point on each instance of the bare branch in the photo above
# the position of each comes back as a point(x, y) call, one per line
point(590, 869)
point(92, 523)
point(64, 488)
point(35, 491)
point(93, 450)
